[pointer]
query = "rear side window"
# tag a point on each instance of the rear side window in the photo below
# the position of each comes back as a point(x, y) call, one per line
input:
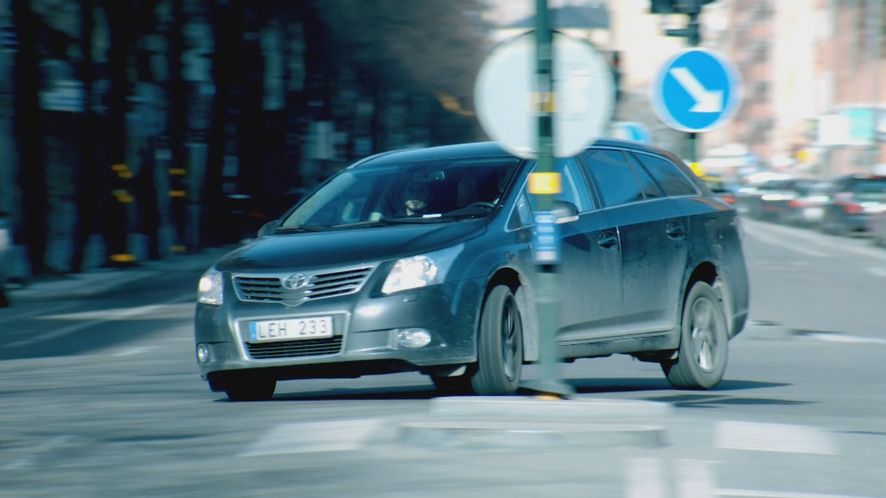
point(614, 177)
point(650, 188)
point(667, 175)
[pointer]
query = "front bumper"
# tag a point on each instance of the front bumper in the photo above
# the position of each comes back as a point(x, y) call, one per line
point(365, 340)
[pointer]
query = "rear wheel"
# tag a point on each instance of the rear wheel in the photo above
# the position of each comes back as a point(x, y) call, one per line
point(704, 342)
point(500, 345)
point(247, 387)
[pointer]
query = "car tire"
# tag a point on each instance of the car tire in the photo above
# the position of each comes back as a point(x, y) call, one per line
point(499, 345)
point(250, 388)
point(704, 342)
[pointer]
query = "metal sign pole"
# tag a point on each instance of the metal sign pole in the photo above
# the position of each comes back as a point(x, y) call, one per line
point(544, 184)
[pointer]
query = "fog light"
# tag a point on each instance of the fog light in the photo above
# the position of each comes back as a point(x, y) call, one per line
point(202, 353)
point(413, 338)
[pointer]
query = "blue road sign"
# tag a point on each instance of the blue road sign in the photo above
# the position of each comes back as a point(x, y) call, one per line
point(696, 90)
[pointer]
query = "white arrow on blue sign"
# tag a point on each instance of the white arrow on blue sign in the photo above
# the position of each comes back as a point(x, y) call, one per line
point(696, 90)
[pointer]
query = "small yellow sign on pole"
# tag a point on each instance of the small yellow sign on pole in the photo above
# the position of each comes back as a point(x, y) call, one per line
point(548, 183)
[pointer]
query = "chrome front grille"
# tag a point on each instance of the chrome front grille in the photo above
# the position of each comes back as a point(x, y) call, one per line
point(294, 349)
point(296, 288)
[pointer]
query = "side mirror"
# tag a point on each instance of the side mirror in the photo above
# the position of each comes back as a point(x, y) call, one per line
point(268, 228)
point(565, 212)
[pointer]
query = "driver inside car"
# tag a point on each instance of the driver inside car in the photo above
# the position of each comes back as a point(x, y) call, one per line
point(416, 197)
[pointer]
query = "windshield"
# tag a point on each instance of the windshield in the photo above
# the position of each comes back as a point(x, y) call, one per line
point(414, 192)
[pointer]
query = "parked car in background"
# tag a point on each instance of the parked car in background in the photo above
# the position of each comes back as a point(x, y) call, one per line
point(877, 228)
point(422, 260)
point(722, 189)
point(807, 207)
point(5, 256)
point(854, 199)
point(769, 200)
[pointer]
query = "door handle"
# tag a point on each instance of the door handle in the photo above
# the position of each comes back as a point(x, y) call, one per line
point(607, 240)
point(675, 230)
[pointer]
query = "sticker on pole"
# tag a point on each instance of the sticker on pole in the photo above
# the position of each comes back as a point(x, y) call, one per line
point(582, 101)
point(545, 244)
point(696, 90)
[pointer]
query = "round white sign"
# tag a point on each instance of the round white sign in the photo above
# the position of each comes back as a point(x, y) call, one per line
point(583, 102)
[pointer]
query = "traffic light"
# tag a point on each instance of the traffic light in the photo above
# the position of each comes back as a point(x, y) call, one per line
point(677, 6)
point(615, 65)
point(662, 7)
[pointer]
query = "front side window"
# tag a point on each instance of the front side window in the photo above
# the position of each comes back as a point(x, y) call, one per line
point(522, 215)
point(614, 177)
point(574, 187)
point(416, 191)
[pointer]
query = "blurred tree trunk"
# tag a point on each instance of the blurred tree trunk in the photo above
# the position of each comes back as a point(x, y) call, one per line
point(251, 118)
point(29, 135)
point(177, 119)
point(120, 197)
point(146, 25)
point(227, 32)
point(86, 178)
point(296, 106)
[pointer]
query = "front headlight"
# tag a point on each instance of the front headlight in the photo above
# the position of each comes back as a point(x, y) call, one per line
point(210, 289)
point(420, 271)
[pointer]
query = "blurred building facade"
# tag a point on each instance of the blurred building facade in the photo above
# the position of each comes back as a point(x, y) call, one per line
point(814, 74)
point(133, 130)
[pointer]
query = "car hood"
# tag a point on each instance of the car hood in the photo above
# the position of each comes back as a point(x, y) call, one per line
point(346, 247)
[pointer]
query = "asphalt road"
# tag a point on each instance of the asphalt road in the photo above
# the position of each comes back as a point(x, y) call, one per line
point(100, 396)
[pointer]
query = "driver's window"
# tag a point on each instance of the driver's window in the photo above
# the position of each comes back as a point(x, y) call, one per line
point(574, 187)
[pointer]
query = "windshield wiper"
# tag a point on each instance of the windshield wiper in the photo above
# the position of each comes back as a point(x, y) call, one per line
point(386, 222)
point(303, 228)
point(477, 211)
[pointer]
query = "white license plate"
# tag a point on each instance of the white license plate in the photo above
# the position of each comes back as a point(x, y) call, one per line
point(315, 327)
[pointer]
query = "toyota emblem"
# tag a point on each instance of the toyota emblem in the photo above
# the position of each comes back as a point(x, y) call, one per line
point(295, 281)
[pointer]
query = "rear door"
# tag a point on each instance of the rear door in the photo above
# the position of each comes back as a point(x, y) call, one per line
point(653, 233)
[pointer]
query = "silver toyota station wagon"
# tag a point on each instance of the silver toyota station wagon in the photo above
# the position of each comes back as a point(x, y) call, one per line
point(422, 260)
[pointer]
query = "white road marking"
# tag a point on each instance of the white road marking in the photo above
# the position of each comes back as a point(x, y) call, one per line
point(114, 315)
point(781, 438)
point(751, 493)
point(846, 339)
point(841, 245)
point(771, 240)
point(695, 479)
point(313, 437)
point(645, 478)
point(133, 351)
point(30, 459)
point(18, 317)
point(121, 313)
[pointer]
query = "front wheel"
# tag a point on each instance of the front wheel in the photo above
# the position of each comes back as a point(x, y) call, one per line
point(500, 345)
point(704, 342)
